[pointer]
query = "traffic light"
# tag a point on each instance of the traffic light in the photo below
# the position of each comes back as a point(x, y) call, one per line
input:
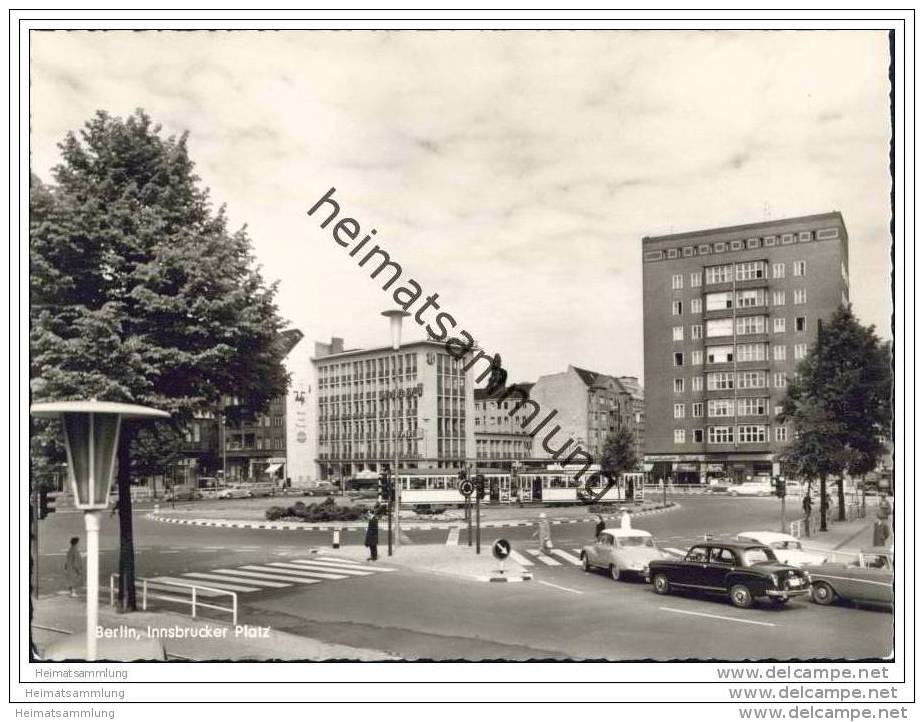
point(780, 484)
point(479, 486)
point(46, 504)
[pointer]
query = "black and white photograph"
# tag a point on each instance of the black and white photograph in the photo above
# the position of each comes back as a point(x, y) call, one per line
point(373, 343)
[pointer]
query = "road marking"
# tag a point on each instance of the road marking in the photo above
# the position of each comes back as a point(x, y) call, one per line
point(453, 537)
point(296, 569)
point(217, 585)
point(222, 577)
point(544, 558)
point(267, 575)
point(564, 589)
point(312, 567)
point(566, 556)
point(717, 616)
point(520, 559)
point(343, 567)
point(165, 587)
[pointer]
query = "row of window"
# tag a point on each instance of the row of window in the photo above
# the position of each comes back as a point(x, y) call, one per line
point(743, 352)
point(747, 434)
point(746, 406)
point(722, 381)
point(703, 249)
point(750, 298)
point(747, 271)
point(741, 326)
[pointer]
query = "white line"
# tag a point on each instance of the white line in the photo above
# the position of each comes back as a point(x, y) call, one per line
point(717, 616)
point(312, 567)
point(544, 559)
point(564, 589)
point(220, 585)
point(295, 570)
point(520, 559)
point(268, 575)
point(453, 537)
point(344, 567)
point(566, 556)
point(226, 578)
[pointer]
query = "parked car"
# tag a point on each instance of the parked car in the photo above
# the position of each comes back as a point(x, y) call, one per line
point(621, 551)
point(751, 488)
point(235, 491)
point(183, 493)
point(870, 579)
point(742, 571)
point(786, 548)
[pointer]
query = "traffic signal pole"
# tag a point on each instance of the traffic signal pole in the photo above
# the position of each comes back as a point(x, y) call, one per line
point(477, 521)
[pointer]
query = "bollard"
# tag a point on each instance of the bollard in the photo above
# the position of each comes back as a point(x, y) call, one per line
point(336, 542)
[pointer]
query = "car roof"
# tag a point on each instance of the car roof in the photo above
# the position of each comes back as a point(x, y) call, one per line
point(768, 535)
point(731, 543)
point(617, 531)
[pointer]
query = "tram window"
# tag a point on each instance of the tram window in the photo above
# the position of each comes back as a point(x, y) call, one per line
point(419, 483)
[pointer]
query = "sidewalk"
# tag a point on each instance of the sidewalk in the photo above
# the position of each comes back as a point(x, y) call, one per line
point(192, 639)
point(253, 517)
point(844, 536)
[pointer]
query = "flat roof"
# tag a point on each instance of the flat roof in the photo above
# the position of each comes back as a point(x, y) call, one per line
point(379, 349)
point(831, 217)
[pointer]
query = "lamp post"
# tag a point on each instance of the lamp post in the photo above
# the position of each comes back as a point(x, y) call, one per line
point(91, 437)
point(395, 317)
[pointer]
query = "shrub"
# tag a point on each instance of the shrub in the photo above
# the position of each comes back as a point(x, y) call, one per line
point(276, 512)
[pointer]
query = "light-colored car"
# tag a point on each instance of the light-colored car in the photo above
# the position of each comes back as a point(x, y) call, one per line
point(869, 579)
point(786, 548)
point(235, 491)
point(751, 488)
point(621, 551)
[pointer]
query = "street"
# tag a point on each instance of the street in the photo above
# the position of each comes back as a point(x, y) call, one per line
point(562, 613)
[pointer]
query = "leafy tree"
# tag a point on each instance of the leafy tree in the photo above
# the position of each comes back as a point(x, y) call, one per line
point(842, 391)
point(140, 293)
point(618, 453)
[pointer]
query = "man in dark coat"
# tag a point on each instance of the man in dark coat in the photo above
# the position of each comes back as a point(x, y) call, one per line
point(372, 536)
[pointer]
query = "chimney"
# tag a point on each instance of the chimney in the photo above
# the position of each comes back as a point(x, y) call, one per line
point(336, 345)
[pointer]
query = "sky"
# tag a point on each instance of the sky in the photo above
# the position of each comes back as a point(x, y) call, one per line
point(512, 173)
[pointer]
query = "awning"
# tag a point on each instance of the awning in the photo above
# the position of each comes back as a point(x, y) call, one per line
point(272, 468)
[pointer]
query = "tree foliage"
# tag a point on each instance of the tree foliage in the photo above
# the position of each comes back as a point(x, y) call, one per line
point(139, 292)
point(618, 453)
point(839, 403)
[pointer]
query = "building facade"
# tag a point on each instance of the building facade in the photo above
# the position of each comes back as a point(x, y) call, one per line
point(589, 406)
point(637, 394)
point(358, 391)
point(728, 314)
point(500, 421)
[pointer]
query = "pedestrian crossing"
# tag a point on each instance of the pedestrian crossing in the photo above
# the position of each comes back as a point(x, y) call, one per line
point(271, 576)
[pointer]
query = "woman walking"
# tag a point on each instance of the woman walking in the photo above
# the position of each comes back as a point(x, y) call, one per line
point(73, 566)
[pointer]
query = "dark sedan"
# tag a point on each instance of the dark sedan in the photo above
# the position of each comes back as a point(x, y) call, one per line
point(741, 571)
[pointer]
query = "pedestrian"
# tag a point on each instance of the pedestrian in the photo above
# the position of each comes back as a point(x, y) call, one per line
point(519, 499)
point(807, 510)
point(73, 566)
point(372, 536)
point(881, 533)
point(544, 532)
point(885, 508)
point(601, 525)
point(625, 519)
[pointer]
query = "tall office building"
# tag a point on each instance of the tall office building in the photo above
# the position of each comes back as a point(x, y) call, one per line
point(728, 314)
point(354, 406)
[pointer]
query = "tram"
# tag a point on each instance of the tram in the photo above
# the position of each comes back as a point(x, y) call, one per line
point(528, 486)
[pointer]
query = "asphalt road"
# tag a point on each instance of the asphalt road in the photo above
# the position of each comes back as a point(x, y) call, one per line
point(562, 613)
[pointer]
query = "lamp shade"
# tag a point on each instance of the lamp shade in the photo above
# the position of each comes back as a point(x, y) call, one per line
point(91, 437)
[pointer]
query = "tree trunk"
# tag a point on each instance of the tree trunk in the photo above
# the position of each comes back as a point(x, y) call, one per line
point(841, 510)
point(823, 506)
point(127, 600)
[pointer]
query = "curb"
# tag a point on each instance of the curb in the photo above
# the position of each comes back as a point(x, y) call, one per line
point(297, 526)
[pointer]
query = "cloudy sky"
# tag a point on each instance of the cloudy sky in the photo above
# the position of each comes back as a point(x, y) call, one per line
point(512, 173)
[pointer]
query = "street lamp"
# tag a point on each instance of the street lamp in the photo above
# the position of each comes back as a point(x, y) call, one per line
point(395, 317)
point(91, 437)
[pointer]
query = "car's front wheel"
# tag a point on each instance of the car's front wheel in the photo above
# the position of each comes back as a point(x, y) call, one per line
point(823, 593)
point(585, 562)
point(615, 573)
point(741, 596)
point(660, 584)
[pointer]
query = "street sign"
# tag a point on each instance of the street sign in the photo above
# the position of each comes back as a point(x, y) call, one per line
point(501, 549)
point(466, 487)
